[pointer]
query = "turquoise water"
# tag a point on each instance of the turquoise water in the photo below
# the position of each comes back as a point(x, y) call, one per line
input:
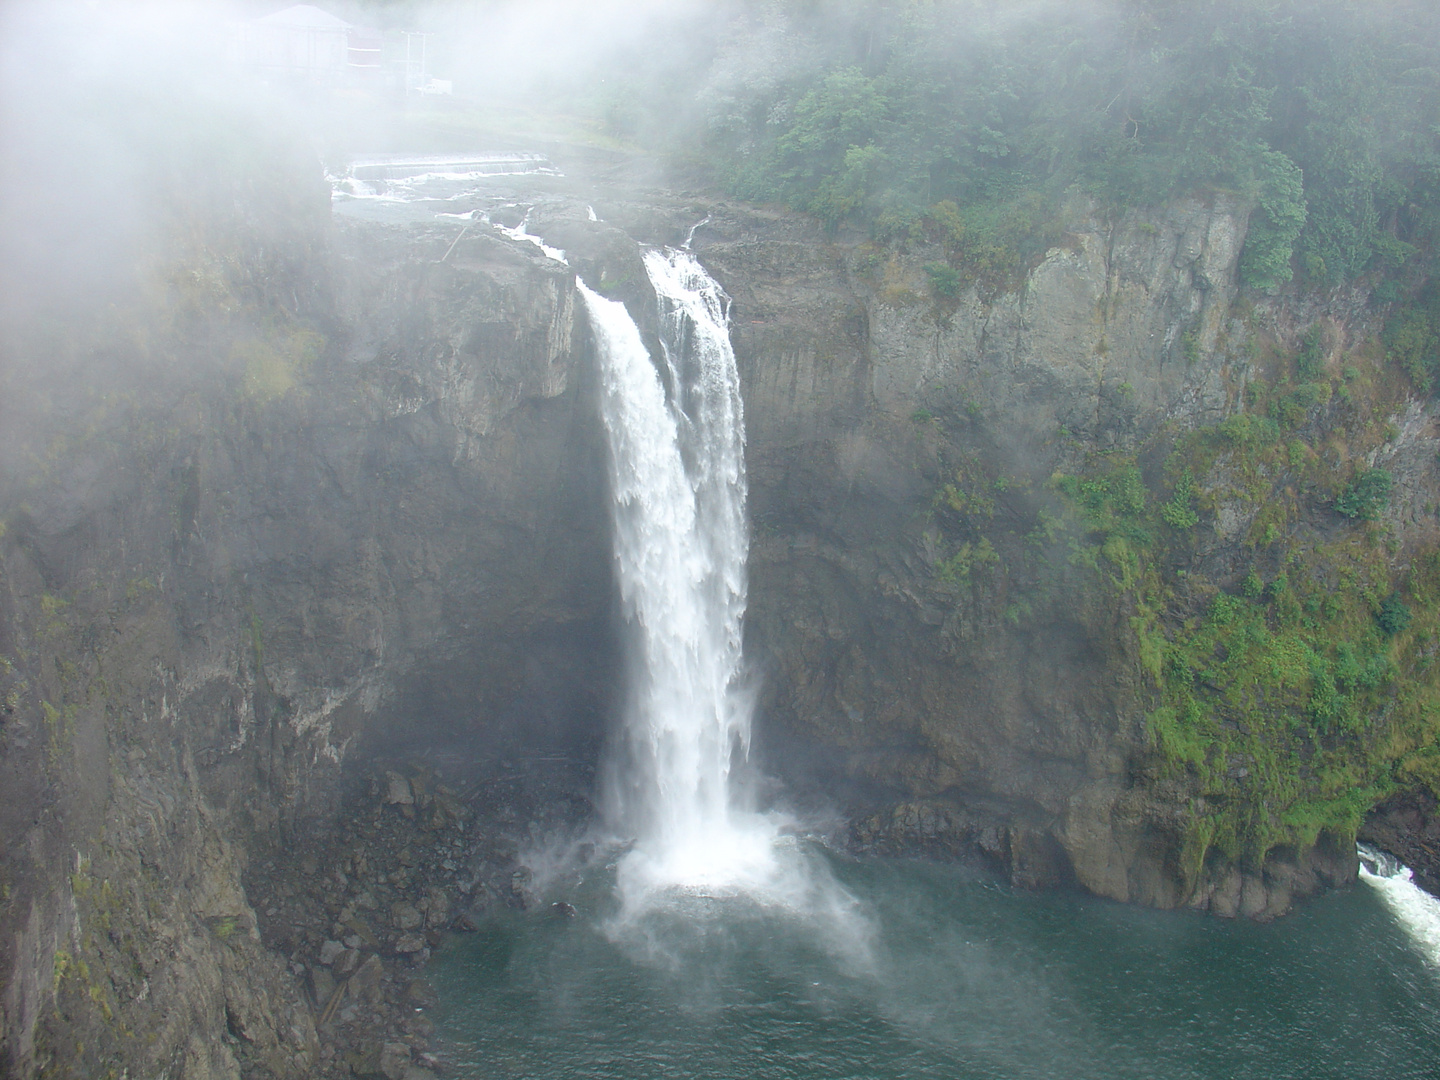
point(936, 971)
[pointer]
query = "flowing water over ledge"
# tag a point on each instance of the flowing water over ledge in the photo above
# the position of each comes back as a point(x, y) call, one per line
point(960, 977)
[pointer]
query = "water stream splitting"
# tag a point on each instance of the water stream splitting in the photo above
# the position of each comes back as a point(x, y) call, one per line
point(678, 480)
point(677, 474)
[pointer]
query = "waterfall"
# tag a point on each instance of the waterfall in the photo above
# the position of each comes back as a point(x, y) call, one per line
point(677, 470)
point(677, 475)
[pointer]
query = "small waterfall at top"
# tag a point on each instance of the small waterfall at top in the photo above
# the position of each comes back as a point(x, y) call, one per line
point(678, 477)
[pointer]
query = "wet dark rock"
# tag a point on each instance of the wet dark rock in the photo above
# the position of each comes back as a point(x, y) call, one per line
point(520, 887)
point(365, 983)
point(322, 986)
point(437, 907)
point(561, 910)
point(398, 791)
point(360, 930)
point(407, 916)
point(346, 963)
point(364, 999)
point(419, 1025)
point(394, 1060)
point(421, 994)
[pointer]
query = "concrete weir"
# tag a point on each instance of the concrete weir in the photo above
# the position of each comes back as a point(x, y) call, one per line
point(406, 166)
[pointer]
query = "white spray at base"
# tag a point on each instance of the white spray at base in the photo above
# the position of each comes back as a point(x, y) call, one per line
point(681, 542)
point(1414, 909)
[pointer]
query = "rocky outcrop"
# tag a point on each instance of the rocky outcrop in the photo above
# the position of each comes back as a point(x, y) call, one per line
point(1408, 827)
point(1109, 337)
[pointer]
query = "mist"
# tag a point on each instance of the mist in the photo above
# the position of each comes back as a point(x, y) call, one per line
point(137, 107)
point(139, 141)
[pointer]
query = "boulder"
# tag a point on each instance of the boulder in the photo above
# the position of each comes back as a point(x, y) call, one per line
point(398, 792)
point(321, 986)
point(437, 910)
point(394, 1060)
point(346, 962)
point(365, 983)
point(407, 916)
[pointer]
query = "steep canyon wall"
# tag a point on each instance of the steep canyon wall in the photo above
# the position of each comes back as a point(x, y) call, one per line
point(367, 525)
point(942, 655)
point(372, 517)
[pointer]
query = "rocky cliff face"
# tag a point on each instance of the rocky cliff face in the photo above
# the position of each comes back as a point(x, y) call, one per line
point(372, 519)
point(958, 729)
point(377, 522)
point(954, 694)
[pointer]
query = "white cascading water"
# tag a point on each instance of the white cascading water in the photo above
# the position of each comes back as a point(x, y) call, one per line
point(677, 468)
point(1415, 909)
point(678, 478)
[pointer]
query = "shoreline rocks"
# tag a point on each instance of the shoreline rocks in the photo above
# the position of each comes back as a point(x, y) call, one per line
point(359, 913)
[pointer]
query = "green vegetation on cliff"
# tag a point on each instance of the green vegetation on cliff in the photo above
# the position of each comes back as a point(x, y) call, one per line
point(1287, 697)
point(1272, 599)
point(976, 119)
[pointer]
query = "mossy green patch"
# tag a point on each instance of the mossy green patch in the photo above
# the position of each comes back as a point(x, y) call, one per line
point(1287, 700)
point(274, 366)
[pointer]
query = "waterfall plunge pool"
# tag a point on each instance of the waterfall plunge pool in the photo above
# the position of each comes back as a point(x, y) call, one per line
point(960, 977)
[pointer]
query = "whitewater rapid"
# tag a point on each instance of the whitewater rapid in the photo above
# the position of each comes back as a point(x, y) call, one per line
point(1417, 912)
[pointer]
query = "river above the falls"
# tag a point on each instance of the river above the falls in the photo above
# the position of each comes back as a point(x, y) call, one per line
point(956, 976)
